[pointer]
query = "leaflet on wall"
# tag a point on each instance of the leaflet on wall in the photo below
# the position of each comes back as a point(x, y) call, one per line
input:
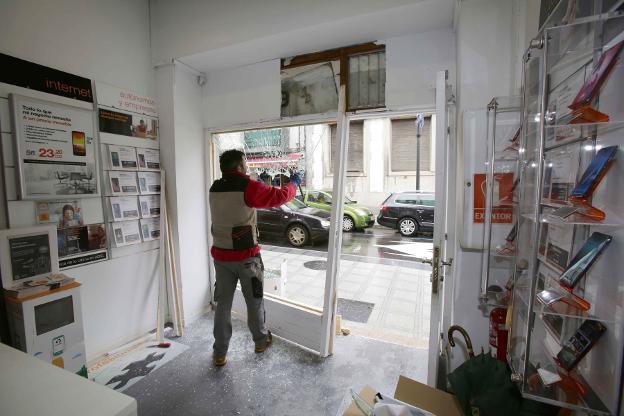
point(149, 159)
point(126, 113)
point(122, 157)
point(66, 213)
point(124, 208)
point(150, 205)
point(560, 173)
point(126, 233)
point(149, 182)
point(562, 95)
point(555, 244)
point(56, 149)
point(150, 229)
point(123, 183)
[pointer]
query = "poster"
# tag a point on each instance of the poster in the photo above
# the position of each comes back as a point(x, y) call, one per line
point(150, 229)
point(77, 240)
point(122, 157)
point(310, 89)
point(56, 149)
point(150, 205)
point(149, 182)
point(30, 256)
point(502, 210)
point(126, 233)
point(124, 208)
point(123, 183)
point(126, 113)
point(63, 214)
point(149, 159)
point(560, 173)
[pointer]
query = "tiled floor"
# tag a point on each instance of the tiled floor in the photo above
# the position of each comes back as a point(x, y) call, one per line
point(400, 290)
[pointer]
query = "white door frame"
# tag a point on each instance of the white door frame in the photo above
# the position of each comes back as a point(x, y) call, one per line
point(444, 230)
point(444, 180)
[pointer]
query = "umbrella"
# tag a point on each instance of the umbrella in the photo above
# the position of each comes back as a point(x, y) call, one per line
point(483, 385)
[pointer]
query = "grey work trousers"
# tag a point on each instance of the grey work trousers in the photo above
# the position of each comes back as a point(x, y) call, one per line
point(250, 272)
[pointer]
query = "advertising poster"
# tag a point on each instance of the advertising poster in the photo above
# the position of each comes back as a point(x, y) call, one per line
point(30, 256)
point(150, 205)
point(122, 157)
point(56, 149)
point(66, 213)
point(149, 159)
point(502, 211)
point(150, 229)
point(124, 208)
point(123, 183)
point(126, 113)
point(126, 233)
point(77, 240)
point(149, 182)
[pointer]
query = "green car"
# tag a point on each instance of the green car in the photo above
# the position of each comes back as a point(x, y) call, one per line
point(356, 217)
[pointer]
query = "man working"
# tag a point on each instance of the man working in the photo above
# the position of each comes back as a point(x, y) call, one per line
point(233, 200)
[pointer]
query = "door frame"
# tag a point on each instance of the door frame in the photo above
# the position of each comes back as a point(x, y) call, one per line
point(444, 157)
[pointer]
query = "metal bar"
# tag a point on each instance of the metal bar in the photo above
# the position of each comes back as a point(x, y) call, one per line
point(538, 197)
point(489, 181)
point(328, 321)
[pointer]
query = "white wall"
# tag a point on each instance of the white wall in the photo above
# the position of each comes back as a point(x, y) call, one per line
point(109, 42)
point(485, 68)
point(252, 93)
point(103, 40)
point(183, 155)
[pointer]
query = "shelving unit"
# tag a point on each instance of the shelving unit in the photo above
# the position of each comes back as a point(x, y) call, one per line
point(553, 157)
point(502, 144)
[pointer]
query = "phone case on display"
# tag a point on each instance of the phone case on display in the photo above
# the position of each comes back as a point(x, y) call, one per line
point(583, 260)
point(575, 348)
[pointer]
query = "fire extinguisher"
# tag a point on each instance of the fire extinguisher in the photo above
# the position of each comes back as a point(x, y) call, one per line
point(498, 333)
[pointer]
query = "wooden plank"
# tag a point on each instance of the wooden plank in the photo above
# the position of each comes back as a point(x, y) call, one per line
point(331, 55)
point(301, 325)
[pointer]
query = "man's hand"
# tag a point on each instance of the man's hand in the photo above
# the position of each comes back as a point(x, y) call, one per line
point(295, 178)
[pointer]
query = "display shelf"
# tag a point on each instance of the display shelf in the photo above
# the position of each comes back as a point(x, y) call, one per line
point(501, 167)
point(567, 134)
point(562, 64)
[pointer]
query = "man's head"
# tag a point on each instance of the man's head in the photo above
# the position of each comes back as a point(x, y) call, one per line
point(233, 160)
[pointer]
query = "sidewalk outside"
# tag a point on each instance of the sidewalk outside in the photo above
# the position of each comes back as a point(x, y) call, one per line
point(399, 290)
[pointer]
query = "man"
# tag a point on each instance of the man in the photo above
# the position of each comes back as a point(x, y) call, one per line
point(233, 200)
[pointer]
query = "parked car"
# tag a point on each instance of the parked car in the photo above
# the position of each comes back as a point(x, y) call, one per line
point(300, 224)
point(408, 212)
point(356, 217)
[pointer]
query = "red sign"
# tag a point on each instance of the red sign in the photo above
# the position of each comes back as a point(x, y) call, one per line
point(502, 198)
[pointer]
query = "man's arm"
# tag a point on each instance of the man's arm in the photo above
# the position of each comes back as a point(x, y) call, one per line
point(259, 195)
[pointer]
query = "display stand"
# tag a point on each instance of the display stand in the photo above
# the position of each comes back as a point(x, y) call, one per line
point(569, 352)
point(500, 218)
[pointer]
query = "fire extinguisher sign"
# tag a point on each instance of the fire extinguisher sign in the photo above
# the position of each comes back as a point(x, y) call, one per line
point(502, 198)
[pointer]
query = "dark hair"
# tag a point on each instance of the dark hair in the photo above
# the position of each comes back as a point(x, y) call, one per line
point(230, 160)
point(68, 207)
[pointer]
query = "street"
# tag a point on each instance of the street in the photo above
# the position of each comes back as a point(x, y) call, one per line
point(377, 242)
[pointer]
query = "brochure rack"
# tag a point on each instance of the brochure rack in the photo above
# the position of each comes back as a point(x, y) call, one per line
point(500, 217)
point(555, 152)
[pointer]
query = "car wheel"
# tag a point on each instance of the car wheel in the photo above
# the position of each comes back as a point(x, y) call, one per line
point(297, 235)
point(408, 227)
point(348, 224)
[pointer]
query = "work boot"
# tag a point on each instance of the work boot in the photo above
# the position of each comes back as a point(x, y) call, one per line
point(268, 341)
point(219, 361)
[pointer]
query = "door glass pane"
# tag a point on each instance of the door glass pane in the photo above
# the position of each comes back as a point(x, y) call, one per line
point(383, 288)
point(294, 235)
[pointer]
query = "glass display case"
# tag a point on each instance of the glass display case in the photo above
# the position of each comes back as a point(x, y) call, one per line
point(566, 341)
point(498, 187)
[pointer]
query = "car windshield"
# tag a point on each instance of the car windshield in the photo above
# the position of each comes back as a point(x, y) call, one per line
point(347, 200)
point(295, 204)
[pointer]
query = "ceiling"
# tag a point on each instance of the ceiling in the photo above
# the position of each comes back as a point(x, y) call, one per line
point(212, 35)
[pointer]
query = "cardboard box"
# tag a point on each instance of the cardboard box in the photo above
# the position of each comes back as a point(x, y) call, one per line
point(417, 394)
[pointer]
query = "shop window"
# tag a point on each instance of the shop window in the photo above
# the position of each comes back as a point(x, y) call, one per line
point(367, 80)
point(355, 155)
point(403, 148)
